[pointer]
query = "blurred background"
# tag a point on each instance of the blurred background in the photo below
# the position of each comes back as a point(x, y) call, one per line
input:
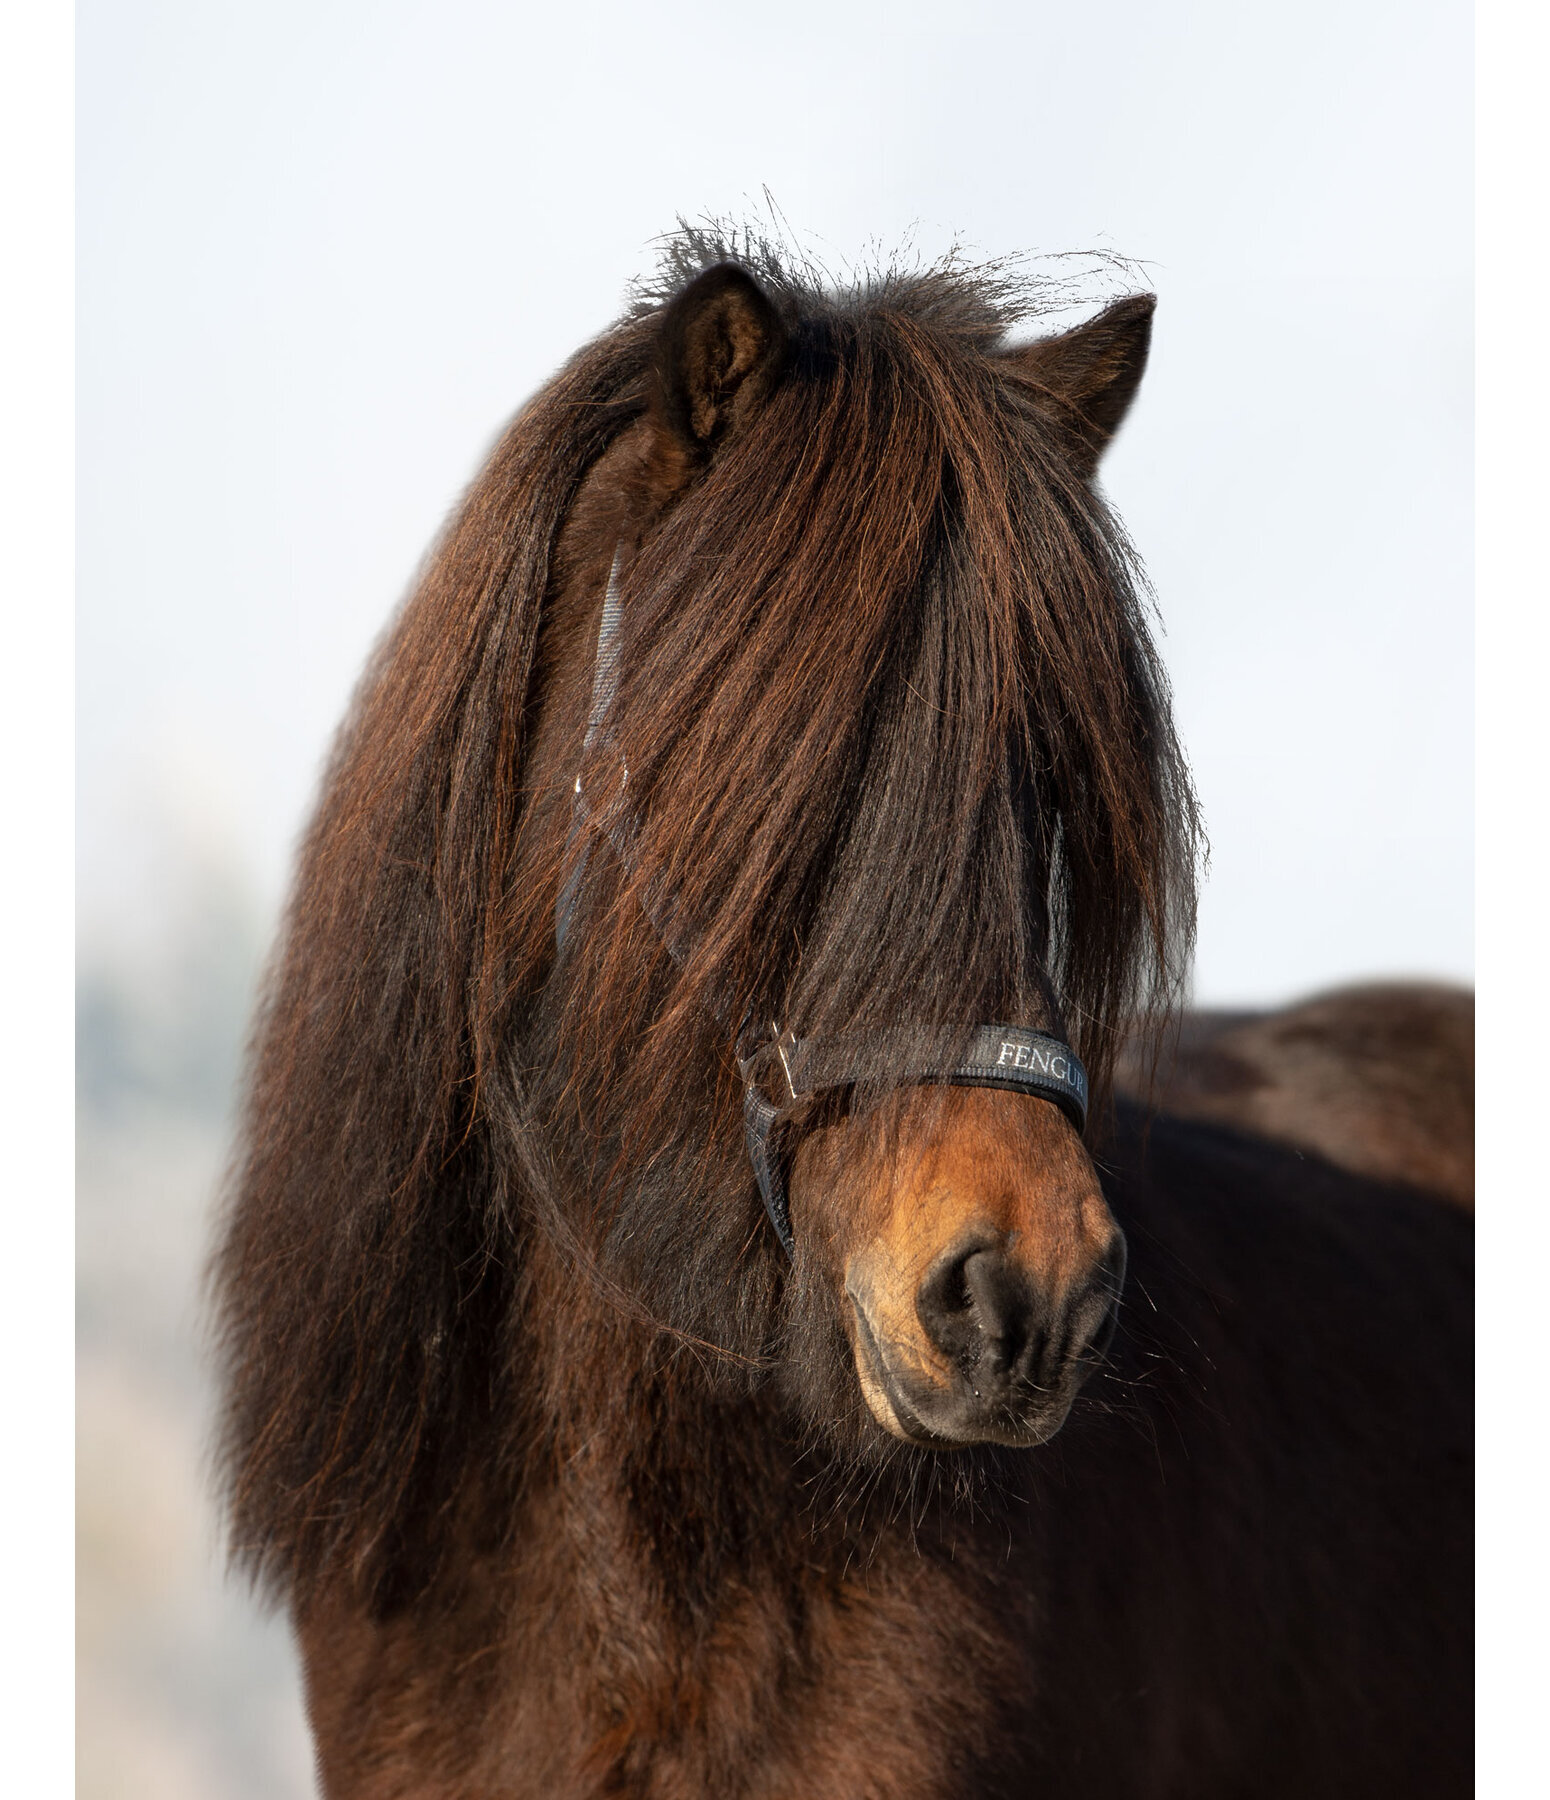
point(324, 251)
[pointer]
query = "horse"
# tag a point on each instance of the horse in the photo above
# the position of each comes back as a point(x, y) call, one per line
point(695, 1316)
point(1377, 1078)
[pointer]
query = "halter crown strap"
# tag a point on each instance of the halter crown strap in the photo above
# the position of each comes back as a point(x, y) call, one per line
point(1011, 1057)
point(605, 679)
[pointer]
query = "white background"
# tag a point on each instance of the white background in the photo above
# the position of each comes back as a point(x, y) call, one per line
point(326, 248)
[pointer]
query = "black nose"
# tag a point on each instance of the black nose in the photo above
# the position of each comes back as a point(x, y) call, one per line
point(992, 1317)
point(985, 1314)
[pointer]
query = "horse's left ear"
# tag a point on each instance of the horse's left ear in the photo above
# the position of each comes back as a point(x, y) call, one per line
point(1088, 376)
point(721, 348)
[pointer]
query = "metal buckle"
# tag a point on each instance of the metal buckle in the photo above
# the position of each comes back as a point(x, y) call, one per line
point(787, 1041)
point(774, 1043)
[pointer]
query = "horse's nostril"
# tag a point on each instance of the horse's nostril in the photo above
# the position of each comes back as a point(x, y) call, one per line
point(982, 1311)
point(1097, 1314)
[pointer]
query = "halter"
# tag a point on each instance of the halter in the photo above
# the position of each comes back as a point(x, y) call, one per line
point(784, 1074)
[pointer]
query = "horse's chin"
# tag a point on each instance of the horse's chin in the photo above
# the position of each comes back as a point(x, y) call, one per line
point(942, 1426)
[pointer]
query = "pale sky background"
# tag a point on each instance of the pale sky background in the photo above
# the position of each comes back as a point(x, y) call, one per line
point(326, 249)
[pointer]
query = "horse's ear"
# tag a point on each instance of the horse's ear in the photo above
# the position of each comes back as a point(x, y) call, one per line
point(1088, 376)
point(721, 348)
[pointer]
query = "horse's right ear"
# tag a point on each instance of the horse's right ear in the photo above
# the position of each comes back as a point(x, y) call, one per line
point(721, 349)
point(1087, 377)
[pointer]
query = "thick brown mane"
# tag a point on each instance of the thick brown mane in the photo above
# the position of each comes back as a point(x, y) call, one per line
point(367, 1237)
point(886, 688)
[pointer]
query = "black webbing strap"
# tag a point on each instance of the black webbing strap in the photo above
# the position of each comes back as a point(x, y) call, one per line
point(760, 1117)
point(997, 1056)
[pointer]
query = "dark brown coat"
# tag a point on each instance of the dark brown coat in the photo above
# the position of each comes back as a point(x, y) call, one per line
point(1379, 1079)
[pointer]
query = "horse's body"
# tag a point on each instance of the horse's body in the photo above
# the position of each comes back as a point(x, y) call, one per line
point(1378, 1079)
point(1222, 1578)
point(574, 1484)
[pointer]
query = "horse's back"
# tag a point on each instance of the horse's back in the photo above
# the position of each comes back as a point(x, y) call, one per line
point(1261, 1578)
point(1378, 1079)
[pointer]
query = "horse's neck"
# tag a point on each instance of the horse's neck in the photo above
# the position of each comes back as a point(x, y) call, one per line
point(674, 1603)
point(734, 1606)
point(656, 1471)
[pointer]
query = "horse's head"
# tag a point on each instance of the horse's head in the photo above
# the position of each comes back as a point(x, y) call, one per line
point(819, 761)
point(873, 755)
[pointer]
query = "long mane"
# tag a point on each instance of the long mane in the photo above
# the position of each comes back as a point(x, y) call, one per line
point(899, 749)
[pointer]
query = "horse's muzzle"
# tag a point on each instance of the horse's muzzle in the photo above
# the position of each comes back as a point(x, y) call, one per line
point(998, 1357)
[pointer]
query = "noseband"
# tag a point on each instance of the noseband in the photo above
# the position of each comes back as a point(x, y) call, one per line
point(783, 1074)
